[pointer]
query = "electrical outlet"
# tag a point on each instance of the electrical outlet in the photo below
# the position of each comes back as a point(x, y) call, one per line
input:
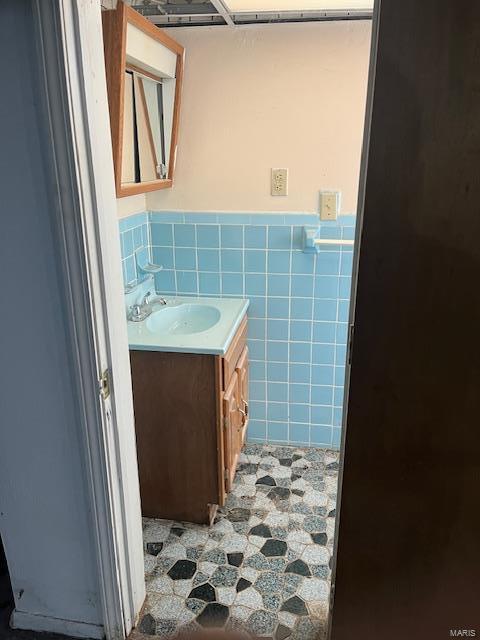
point(279, 184)
point(329, 205)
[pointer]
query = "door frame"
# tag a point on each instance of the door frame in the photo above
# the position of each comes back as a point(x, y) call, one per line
point(353, 292)
point(70, 49)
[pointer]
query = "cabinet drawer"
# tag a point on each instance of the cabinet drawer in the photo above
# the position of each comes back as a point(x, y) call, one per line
point(234, 352)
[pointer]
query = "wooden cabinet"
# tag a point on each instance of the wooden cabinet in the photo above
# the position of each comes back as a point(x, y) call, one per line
point(191, 418)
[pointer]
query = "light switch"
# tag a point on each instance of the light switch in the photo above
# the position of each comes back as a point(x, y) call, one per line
point(279, 185)
point(329, 205)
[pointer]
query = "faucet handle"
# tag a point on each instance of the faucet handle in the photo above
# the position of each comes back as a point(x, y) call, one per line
point(158, 300)
point(135, 311)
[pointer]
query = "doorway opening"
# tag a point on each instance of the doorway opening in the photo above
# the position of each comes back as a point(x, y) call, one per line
point(256, 418)
point(237, 306)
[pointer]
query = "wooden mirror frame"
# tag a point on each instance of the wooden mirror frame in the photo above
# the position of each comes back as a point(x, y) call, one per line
point(115, 48)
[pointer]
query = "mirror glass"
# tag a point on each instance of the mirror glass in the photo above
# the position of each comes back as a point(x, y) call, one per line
point(148, 120)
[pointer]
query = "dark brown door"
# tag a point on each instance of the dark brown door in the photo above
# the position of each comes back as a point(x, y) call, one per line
point(408, 564)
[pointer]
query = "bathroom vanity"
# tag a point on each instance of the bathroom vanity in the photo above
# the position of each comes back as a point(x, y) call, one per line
point(190, 394)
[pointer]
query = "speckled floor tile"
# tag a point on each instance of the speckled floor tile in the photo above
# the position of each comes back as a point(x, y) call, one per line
point(263, 566)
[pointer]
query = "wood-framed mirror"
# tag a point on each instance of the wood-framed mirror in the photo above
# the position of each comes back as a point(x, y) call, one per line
point(144, 69)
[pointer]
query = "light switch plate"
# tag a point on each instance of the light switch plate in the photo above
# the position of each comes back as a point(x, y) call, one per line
point(329, 205)
point(279, 182)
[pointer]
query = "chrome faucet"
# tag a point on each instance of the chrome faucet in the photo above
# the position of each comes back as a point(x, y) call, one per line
point(139, 312)
point(148, 301)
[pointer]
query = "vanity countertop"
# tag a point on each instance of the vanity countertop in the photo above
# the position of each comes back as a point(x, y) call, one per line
point(166, 329)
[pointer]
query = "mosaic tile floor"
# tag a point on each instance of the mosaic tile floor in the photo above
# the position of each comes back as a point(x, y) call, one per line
point(264, 565)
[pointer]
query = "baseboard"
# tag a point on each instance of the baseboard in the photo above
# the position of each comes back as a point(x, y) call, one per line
point(34, 622)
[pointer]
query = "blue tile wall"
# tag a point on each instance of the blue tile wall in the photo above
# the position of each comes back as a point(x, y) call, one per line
point(134, 236)
point(298, 312)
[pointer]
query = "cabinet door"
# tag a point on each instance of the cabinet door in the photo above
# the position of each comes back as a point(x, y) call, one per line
point(233, 422)
point(234, 352)
point(242, 373)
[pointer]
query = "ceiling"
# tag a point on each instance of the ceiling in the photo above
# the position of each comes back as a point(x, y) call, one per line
point(185, 13)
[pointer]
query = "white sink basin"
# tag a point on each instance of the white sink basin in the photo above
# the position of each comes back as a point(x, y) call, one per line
point(183, 319)
point(189, 325)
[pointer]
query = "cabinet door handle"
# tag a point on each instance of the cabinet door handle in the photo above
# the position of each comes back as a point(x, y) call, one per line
point(243, 414)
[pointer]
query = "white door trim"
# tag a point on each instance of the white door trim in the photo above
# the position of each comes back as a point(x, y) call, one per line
point(353, 294)
point(71, 51)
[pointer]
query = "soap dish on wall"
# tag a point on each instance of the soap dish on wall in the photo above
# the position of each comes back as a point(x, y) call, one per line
point(144, 266)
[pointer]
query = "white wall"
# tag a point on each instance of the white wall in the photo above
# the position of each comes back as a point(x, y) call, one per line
point(269, 96)
point(131, 204)
point(45, 522)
